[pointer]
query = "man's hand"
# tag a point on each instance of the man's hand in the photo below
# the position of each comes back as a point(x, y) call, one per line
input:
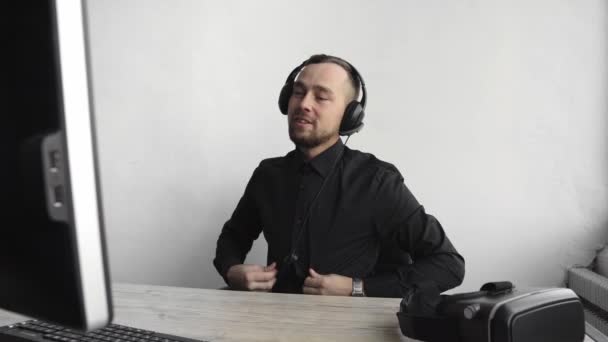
point(328, 285)
point(252, 277)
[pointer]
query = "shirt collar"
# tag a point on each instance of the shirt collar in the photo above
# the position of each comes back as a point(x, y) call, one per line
point(322, 163)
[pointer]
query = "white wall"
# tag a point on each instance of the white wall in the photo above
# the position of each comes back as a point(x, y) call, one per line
point(496, 112)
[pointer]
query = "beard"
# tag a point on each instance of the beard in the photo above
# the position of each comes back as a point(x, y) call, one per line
point(309, 138)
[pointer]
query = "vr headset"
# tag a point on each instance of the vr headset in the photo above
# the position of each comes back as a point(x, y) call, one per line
point(497, 313)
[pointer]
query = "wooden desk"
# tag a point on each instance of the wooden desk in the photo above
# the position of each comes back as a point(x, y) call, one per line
point(217, 315)
point(220, 315)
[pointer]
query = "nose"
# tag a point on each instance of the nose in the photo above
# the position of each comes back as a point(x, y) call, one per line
point(306, 102)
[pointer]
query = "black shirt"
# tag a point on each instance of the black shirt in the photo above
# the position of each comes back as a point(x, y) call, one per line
point(365, 223)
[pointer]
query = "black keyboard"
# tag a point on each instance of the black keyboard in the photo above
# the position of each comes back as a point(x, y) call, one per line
point(38, 331)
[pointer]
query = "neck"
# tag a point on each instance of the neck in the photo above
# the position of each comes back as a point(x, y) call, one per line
point(310, 153)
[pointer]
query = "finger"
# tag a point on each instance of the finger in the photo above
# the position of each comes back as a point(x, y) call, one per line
point(271, 267)
point(313, 273)
point(261, 276)
point(312, 282)
point(261, 285)
point(255, 267)
point(311, 290)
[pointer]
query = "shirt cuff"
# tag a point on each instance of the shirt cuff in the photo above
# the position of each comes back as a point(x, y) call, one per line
point(383, 285)
point(224, 265)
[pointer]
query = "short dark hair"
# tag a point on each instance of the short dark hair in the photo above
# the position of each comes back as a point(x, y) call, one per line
point(352, 76)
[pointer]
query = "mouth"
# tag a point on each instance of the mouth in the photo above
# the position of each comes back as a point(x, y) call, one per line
point(301, 121)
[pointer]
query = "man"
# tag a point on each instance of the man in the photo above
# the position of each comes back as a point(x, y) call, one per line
point(337, 221)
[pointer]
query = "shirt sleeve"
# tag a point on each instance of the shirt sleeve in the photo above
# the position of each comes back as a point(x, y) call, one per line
point(239, 232)
point(402, 221)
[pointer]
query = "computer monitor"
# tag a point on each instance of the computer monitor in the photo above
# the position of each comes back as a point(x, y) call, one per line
point(53, 262)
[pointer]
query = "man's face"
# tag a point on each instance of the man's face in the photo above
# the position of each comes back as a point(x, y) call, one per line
point(317, 104)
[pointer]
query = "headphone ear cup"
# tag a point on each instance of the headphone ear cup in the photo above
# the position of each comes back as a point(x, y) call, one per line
point(284, 97)
point(352, 121)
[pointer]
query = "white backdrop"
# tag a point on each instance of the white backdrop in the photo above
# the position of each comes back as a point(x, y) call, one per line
point(496, 113)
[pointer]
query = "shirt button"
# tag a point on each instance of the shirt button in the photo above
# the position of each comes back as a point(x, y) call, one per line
point(299, 221)
point(301, 186)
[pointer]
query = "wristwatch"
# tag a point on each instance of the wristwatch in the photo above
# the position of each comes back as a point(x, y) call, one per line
point(358, 288)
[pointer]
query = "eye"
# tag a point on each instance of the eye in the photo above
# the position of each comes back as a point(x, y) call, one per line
point(298, 92)
point(322, 98)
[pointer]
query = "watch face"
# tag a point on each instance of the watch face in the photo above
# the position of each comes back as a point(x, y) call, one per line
point(357, 288)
